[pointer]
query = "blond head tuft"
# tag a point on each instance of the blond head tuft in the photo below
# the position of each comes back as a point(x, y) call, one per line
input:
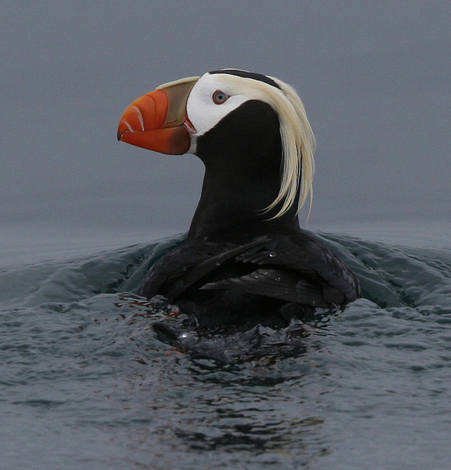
point(298, 144)
point(298, 140)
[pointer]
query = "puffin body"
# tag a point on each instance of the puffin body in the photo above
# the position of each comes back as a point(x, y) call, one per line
point(246, 260)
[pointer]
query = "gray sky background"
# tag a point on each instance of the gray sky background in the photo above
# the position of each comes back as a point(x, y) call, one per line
point(375, 78)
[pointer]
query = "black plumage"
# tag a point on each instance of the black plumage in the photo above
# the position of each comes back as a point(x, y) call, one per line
point(239, 265)
point(268, 280)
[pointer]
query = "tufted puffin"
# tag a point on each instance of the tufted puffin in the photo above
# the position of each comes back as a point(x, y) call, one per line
point(245, 260)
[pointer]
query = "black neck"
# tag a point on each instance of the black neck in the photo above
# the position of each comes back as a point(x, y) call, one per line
point(236, 211)
point(242, 177)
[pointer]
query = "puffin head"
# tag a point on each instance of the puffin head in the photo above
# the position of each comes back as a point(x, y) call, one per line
point(230, 117)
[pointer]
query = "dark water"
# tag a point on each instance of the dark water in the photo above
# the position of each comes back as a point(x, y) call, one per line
point(86, 383)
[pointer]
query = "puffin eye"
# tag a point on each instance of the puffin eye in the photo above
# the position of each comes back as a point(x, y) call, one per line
point(220, 97)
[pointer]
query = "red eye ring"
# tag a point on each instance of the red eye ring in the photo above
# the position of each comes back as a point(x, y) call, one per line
point(220, 97)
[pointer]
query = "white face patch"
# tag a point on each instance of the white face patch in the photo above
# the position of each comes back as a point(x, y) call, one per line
point(202, 111)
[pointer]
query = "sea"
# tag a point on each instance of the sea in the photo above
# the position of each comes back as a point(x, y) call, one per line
point(86, 382)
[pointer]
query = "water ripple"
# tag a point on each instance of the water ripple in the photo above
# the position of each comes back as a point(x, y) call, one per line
point(82, 369)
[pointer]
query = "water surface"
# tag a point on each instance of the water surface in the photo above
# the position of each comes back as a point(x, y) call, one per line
point(86, 383)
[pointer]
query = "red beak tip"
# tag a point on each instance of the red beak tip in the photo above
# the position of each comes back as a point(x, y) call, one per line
point(122, 133)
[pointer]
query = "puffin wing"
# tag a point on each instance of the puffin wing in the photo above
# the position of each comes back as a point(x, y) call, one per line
point(274, 283)
point(187, 265)
point(312, 261)
point(295, 268)
point(212, 266)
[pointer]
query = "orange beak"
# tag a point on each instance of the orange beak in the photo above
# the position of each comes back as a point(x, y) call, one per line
point(156, 121)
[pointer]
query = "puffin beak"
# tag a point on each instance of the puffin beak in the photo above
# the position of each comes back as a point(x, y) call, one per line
point(156, 121)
